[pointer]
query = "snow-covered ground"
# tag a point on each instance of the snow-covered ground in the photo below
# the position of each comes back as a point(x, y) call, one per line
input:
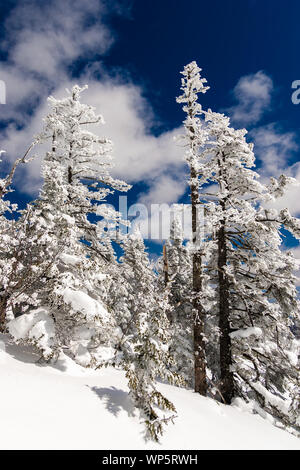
point(68, 407)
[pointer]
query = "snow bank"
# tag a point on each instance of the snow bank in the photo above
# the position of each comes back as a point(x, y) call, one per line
point(37, 327)
point(69, 407)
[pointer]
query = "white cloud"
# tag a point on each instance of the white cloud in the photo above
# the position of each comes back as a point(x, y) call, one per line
point(274, 147)
point(165, 189)
point(43, 41)
point(139, 156)
point(275, 150)
point(16, 141)
point(253, 95)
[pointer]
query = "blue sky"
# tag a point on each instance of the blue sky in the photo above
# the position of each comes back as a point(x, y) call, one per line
point(130, 53)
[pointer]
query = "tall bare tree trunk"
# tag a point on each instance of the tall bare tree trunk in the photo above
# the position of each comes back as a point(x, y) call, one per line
point(198, 311)
point(3, 306)
point(166, 267)
point(227, 382)
point(199, 314)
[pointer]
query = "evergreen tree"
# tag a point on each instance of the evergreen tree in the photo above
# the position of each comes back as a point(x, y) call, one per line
point(194, 138)
point(80, 227)
point(145, 341)
point(257, 298)
point(21, 265)
point(179, 283)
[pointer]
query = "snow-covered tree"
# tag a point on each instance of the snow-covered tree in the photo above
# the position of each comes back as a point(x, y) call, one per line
point(195, 137)
point(146, 337)
point(5, 243)
point(71, 209)
point(81, 162)
point(21, 267)
point(175, 271)
point(256, 295)
point(257, 298)
point(264, 350)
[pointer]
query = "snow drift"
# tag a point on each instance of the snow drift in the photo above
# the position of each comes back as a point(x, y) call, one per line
point(68, 407)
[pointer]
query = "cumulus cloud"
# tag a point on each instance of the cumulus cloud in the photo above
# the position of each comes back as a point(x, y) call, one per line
point(166, 188)
point(43, 40)
point(40, 57)
point(275, 150)
point(139, 155)
point(274, 147)
point(253, 97)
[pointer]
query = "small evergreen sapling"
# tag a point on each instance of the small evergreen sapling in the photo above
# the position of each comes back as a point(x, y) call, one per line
point(179, 263)
point(146, 355)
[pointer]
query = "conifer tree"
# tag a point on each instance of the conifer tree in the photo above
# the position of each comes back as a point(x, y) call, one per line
point(226, 163)
point(194, 138)
point(145, 342)
point(179, 285)
point(21, 266)
point(79, 225)
point(257, 298)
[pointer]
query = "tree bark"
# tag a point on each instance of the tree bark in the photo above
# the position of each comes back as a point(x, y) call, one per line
point(3, 306)
point(198, 311)
point(166, 267)
point(227, 382)
point(199, 314)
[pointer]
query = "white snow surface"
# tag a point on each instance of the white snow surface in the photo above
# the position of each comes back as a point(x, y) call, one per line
point(68, 407)
point(246, 332)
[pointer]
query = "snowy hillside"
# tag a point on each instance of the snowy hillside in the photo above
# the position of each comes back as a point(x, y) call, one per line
point(69, 407)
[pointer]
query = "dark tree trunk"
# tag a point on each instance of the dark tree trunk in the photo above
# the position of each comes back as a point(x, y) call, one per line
point(70, 176)
point(166, 267)
point(198, 311)
point(199, 314)
point(3, 306)
point(227, 382)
